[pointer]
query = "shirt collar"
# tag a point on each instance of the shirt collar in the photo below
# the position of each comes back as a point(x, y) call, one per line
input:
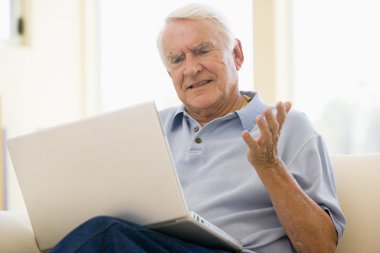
point(178, 116)
point(247, 115)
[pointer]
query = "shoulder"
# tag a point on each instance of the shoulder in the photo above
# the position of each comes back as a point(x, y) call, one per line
point(296, 133)
point(298, 123)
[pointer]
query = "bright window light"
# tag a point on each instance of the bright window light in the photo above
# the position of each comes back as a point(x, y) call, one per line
point(5, 20)
point(336, 56)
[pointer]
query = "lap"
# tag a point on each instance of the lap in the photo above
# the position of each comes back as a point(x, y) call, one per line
point(105, 234)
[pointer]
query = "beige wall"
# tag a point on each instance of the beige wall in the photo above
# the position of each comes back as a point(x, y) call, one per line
point(2, 174)
point(41, 83)
point(272, 78)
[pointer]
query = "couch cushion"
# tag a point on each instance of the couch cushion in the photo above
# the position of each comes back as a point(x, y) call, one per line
point(357, 179)
point(16, 234)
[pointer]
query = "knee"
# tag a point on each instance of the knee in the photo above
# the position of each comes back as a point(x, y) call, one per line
point(104, 221)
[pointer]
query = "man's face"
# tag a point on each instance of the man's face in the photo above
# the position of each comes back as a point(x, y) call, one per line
point(202, 68)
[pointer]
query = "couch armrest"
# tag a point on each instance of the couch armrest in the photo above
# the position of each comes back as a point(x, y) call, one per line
point(16, 234)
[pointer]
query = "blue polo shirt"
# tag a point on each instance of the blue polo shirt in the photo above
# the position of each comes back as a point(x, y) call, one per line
point(221, 185)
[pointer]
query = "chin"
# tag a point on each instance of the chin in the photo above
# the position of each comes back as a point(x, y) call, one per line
point(203, 100)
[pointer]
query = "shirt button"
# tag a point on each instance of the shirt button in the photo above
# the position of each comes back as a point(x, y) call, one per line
point(198, 140)
point(196, 129)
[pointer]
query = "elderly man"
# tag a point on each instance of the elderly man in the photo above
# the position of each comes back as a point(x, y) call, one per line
point(274, 192)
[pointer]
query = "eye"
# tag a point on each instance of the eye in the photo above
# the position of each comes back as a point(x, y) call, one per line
point(177, 59)
point(203, 51)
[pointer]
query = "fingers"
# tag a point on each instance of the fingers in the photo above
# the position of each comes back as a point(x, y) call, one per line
point(282, 110)
point(281, 113)
point(288, 106)
point(265, 128)
point(269, 125)
point(262, 152)
point(251, 143)
point(272, 122)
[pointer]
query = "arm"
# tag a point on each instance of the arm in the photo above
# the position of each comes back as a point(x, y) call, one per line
point(308, 227)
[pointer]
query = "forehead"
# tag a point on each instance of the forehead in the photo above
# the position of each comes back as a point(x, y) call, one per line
point(184, 33)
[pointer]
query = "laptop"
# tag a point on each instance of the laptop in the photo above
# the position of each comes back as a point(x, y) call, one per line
point(116, 164)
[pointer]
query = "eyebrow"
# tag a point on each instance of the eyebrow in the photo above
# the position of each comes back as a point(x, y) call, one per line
point(201, 45)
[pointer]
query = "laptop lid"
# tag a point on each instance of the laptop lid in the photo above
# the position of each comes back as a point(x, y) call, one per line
point(97, 166)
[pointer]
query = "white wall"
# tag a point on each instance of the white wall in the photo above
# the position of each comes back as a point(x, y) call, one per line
point(41, 83)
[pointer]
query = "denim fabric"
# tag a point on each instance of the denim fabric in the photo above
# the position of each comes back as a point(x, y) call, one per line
point(105, 234)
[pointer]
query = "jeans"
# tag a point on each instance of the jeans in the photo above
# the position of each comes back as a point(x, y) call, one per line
point(105, 234)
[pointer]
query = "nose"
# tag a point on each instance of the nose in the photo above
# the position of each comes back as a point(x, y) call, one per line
point(192, 66)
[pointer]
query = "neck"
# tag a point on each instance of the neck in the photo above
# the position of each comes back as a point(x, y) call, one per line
point(232, 105)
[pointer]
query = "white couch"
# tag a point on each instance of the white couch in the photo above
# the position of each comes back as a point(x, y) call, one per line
point(358, 185)
point(16, 234)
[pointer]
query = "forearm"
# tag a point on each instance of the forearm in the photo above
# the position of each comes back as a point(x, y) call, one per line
point(308, 227)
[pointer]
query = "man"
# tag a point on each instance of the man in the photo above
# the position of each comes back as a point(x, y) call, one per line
point(278, 197)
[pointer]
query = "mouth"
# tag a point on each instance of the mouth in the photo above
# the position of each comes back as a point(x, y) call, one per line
point(199, 84)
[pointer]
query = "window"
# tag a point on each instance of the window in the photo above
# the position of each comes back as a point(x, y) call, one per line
point(130, 67)
point(336, 77)
point(5, 20)
point(11, 22)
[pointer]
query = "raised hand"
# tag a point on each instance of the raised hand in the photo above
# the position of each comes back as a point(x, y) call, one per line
point(262, 152)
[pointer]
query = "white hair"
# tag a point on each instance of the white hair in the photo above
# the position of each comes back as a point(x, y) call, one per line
point(197, 11)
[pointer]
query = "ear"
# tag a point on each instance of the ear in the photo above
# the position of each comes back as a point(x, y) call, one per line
point(238, 55)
